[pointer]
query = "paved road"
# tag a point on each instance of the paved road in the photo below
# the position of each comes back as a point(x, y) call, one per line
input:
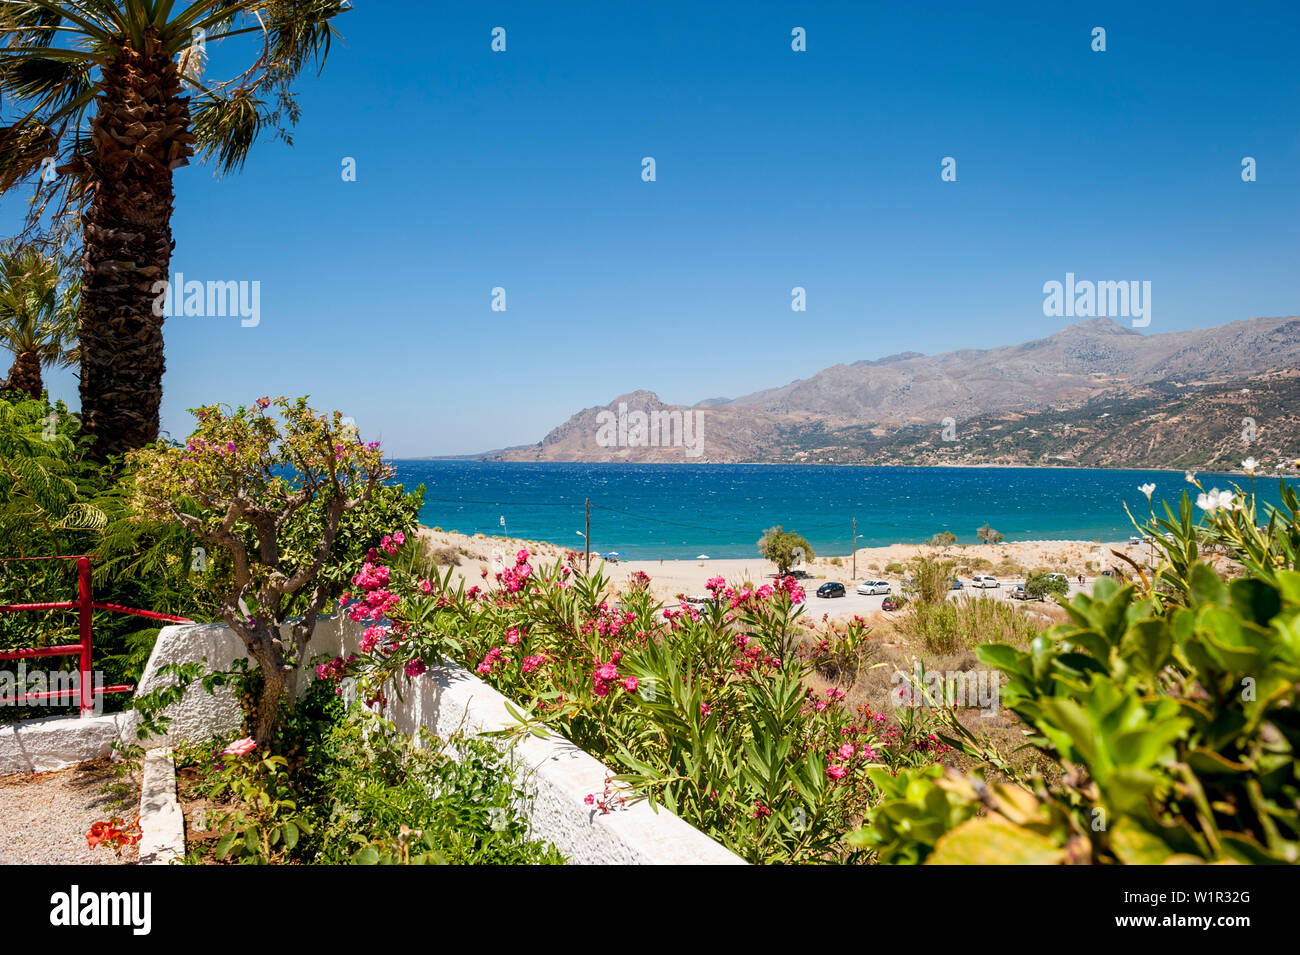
point(854, 603)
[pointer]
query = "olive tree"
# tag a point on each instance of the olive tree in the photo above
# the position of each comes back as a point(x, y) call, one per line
point(786, 549)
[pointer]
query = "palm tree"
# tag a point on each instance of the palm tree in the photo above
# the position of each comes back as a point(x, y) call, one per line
point(108, 98)
point(38, 315)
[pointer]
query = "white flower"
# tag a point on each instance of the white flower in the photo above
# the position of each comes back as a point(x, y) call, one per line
point(1249, 465)
point(1216, 499)
point(1147, 489)
point(1191, 478)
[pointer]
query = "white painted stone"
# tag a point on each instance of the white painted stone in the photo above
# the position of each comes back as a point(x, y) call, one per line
point(57, 742)
point(558, 777)
point(162, 824)
point(201, 715)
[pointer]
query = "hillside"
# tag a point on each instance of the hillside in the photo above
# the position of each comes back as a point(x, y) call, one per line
point(1092, 394)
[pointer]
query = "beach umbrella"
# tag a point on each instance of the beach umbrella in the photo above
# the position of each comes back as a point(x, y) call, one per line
point(701, 556)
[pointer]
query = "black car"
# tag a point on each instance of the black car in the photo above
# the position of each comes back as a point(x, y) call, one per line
point(831, 589)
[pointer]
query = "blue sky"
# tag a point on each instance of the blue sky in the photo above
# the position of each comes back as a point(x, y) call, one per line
point(774, 169)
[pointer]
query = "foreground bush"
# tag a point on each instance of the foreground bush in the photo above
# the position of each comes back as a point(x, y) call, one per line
point(953, 625)
point(1169, 704)
point(346, 787)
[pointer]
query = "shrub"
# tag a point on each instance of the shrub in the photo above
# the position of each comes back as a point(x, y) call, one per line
point(953, 625)
point(1170, 705)
point(444, 556)
point(1039, 585)
point(349, 787)
point(931, 578)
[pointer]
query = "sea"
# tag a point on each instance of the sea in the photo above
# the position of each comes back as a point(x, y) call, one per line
point(649, 511)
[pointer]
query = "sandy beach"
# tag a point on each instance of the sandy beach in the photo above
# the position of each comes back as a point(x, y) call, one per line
point(1008, 562)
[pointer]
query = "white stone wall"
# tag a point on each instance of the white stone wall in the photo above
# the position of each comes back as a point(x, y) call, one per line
point(57, 742)
point(555, 773)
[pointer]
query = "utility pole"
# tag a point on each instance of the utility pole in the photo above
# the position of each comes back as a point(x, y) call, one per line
point(587, 536)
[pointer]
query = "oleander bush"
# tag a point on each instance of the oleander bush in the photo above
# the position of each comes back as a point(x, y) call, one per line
point(709, 713)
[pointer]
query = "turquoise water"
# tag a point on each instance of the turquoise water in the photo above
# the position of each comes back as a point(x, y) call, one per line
point(652, 511)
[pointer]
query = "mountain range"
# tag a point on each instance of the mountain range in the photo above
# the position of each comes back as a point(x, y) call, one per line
point(1094, 393)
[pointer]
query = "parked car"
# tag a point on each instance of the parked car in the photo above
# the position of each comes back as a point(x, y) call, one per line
point(1018, 592)
point(869, 587)
point(832, 589)
point(700, 603)
point(1058, 577)
point(955, 584)
point(889, 603)
point(985, 581)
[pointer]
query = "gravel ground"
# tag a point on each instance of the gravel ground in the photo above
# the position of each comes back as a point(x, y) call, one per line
point(47, 816)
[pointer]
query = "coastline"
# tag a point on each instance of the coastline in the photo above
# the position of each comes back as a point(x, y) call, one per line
point(670, 577)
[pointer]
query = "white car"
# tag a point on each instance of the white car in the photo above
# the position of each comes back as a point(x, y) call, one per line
point(869, 587)
point(985, 581)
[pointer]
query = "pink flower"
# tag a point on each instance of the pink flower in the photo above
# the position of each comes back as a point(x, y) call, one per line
point(240, 747)
point(836, 772)
point(606, 671)
point(630, 684)
point(426, 587)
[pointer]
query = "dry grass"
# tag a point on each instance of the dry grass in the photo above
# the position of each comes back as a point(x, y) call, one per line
point(895, 648)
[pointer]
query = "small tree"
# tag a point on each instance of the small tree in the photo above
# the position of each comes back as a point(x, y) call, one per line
point(259, 490)
point(931, 578)
point(784, 548)
point(988, 535)
point(944, 539)
point(1039, 584)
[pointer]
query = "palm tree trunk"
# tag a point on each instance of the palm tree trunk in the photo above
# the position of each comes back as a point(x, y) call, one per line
point(25, 374)
point(139, 135)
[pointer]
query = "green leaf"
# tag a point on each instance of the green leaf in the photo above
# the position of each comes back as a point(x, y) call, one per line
point(994, 840)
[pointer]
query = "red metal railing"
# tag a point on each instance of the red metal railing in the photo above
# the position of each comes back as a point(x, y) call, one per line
point(84, 605)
